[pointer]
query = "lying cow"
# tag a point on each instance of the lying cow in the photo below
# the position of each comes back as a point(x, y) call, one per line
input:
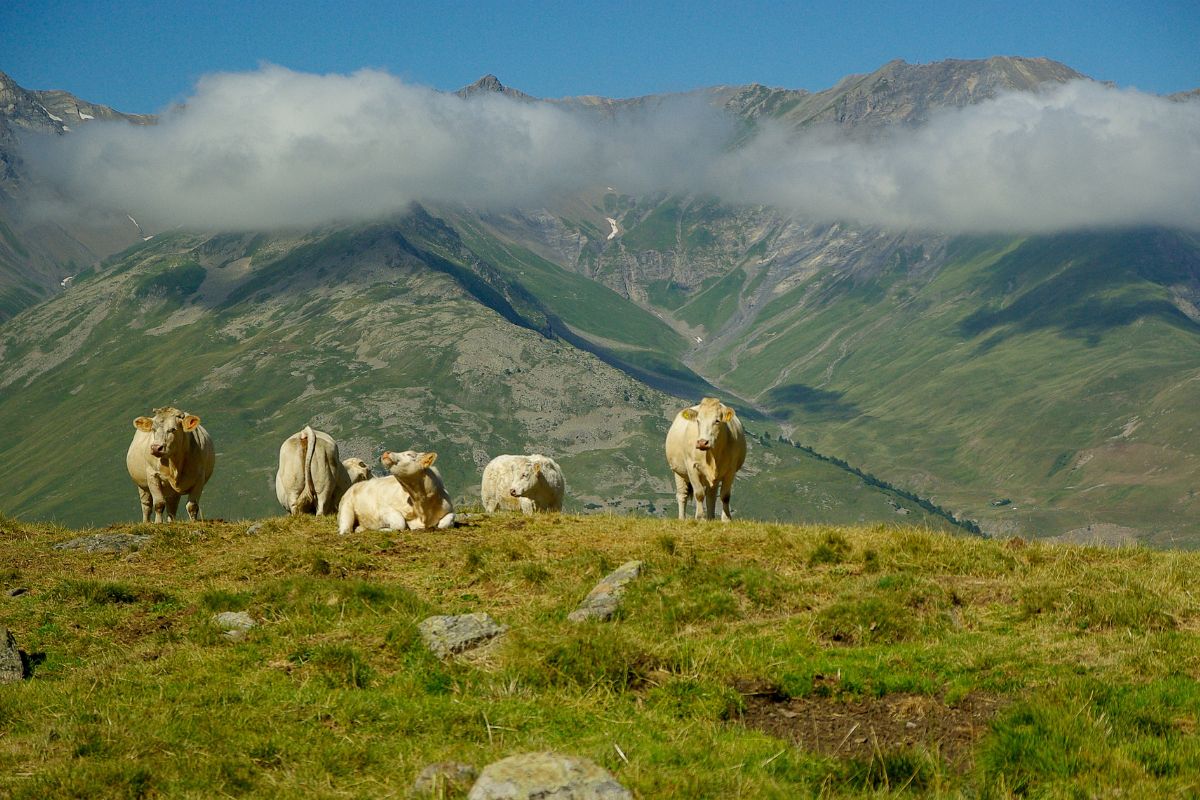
point(357, 469)
point(413, 497)
point(705, 446)
point(522, 483)
point(171, 455)
point(311, 479)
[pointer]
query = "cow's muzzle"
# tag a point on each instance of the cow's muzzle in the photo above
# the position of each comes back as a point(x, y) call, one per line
point(157, 450)
point(702, 444)
point(513, 492)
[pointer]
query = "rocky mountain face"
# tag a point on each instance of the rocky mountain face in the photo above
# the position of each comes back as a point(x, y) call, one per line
point(897, 93)
point(39, 249)
point(1042, 385)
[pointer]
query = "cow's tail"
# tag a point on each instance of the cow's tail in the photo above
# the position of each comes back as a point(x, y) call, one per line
point(308, 440)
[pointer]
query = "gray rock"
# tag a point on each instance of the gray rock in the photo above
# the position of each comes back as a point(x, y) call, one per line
point(440, 778)
point(254, 529)
point(446, 635)
point(234, 621)
point(602, 602)
point(106, 543)
point(546, 776)
point(12, 665)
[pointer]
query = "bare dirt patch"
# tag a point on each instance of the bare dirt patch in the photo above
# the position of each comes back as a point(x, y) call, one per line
point(863, 728)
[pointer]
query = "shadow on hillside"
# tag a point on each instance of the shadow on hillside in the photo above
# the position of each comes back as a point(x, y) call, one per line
point(1085, 285)
point(811, 401)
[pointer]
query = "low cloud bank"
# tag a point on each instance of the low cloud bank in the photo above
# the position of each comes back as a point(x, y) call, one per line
point(275, 148)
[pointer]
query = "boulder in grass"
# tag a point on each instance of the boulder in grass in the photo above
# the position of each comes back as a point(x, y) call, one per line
point(546, 776)
point(602, 602)
point(451, 634)
point(234, 623)
point(12, 663)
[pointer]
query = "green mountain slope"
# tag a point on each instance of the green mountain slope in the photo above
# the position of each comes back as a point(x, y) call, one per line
point(365, 332)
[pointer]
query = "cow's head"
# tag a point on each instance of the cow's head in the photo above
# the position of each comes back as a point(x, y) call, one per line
point(710, 416)
point(408, 464)
point(357, 468)
point(168, 429)
point(526, 479)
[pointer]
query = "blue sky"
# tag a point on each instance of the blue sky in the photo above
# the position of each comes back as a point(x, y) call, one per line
point(141, 56)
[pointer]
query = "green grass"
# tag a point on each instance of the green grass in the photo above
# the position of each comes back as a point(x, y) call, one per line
point(1084, 660)
point(1037, 355)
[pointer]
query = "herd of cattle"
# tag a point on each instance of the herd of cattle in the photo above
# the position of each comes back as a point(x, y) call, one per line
point(172, 455)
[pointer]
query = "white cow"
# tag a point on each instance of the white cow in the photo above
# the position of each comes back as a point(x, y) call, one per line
point(705, 447)
point(171, 455)
point(357, 469)
point(413, 497)
point(311, 478)
point(522, 483)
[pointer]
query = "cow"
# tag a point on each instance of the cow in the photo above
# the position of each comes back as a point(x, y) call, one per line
point(705, 448)
point(522, 483)
point(412, 497)
point(311, 478)
point(357, 469)
point(171, 455)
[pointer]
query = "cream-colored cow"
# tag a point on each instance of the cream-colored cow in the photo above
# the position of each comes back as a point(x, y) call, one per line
point(522, 483)
point(171, 455)
point(413, 497)
point(311, 478)
point(705, 447)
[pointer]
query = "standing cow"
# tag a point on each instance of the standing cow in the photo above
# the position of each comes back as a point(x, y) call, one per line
point(524, 483)
point(705, 446)
point(171, 455)
point(311, 477)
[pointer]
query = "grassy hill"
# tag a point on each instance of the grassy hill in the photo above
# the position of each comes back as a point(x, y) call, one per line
point(388, 336)
point(1041, 385)
point(751, 659)
point(1056, 372)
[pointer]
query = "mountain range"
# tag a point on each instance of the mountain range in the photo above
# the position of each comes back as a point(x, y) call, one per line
point(1042, 385)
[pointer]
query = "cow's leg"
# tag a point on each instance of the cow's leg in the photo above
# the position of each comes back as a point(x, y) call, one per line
point(172, 507)
point(710, 502)
point(682, 490)
point(193, 505)
point(155, 487)
point(147, 503)
point(446, 522)
point(346, 517)
point(726, 493)
point(527, 506)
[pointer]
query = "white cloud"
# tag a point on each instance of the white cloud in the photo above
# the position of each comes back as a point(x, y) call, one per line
point(1082, 155)
point(279, 148)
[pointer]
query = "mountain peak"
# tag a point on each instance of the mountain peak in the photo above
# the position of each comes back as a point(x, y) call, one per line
point(490, 84)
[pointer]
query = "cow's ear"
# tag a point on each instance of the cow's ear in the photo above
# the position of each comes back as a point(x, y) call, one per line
point(537, 467)
point(427, 459)
point(144, 424)
point(191, 422)
point(386, 458)
point(727, 414)
point(689, 413)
